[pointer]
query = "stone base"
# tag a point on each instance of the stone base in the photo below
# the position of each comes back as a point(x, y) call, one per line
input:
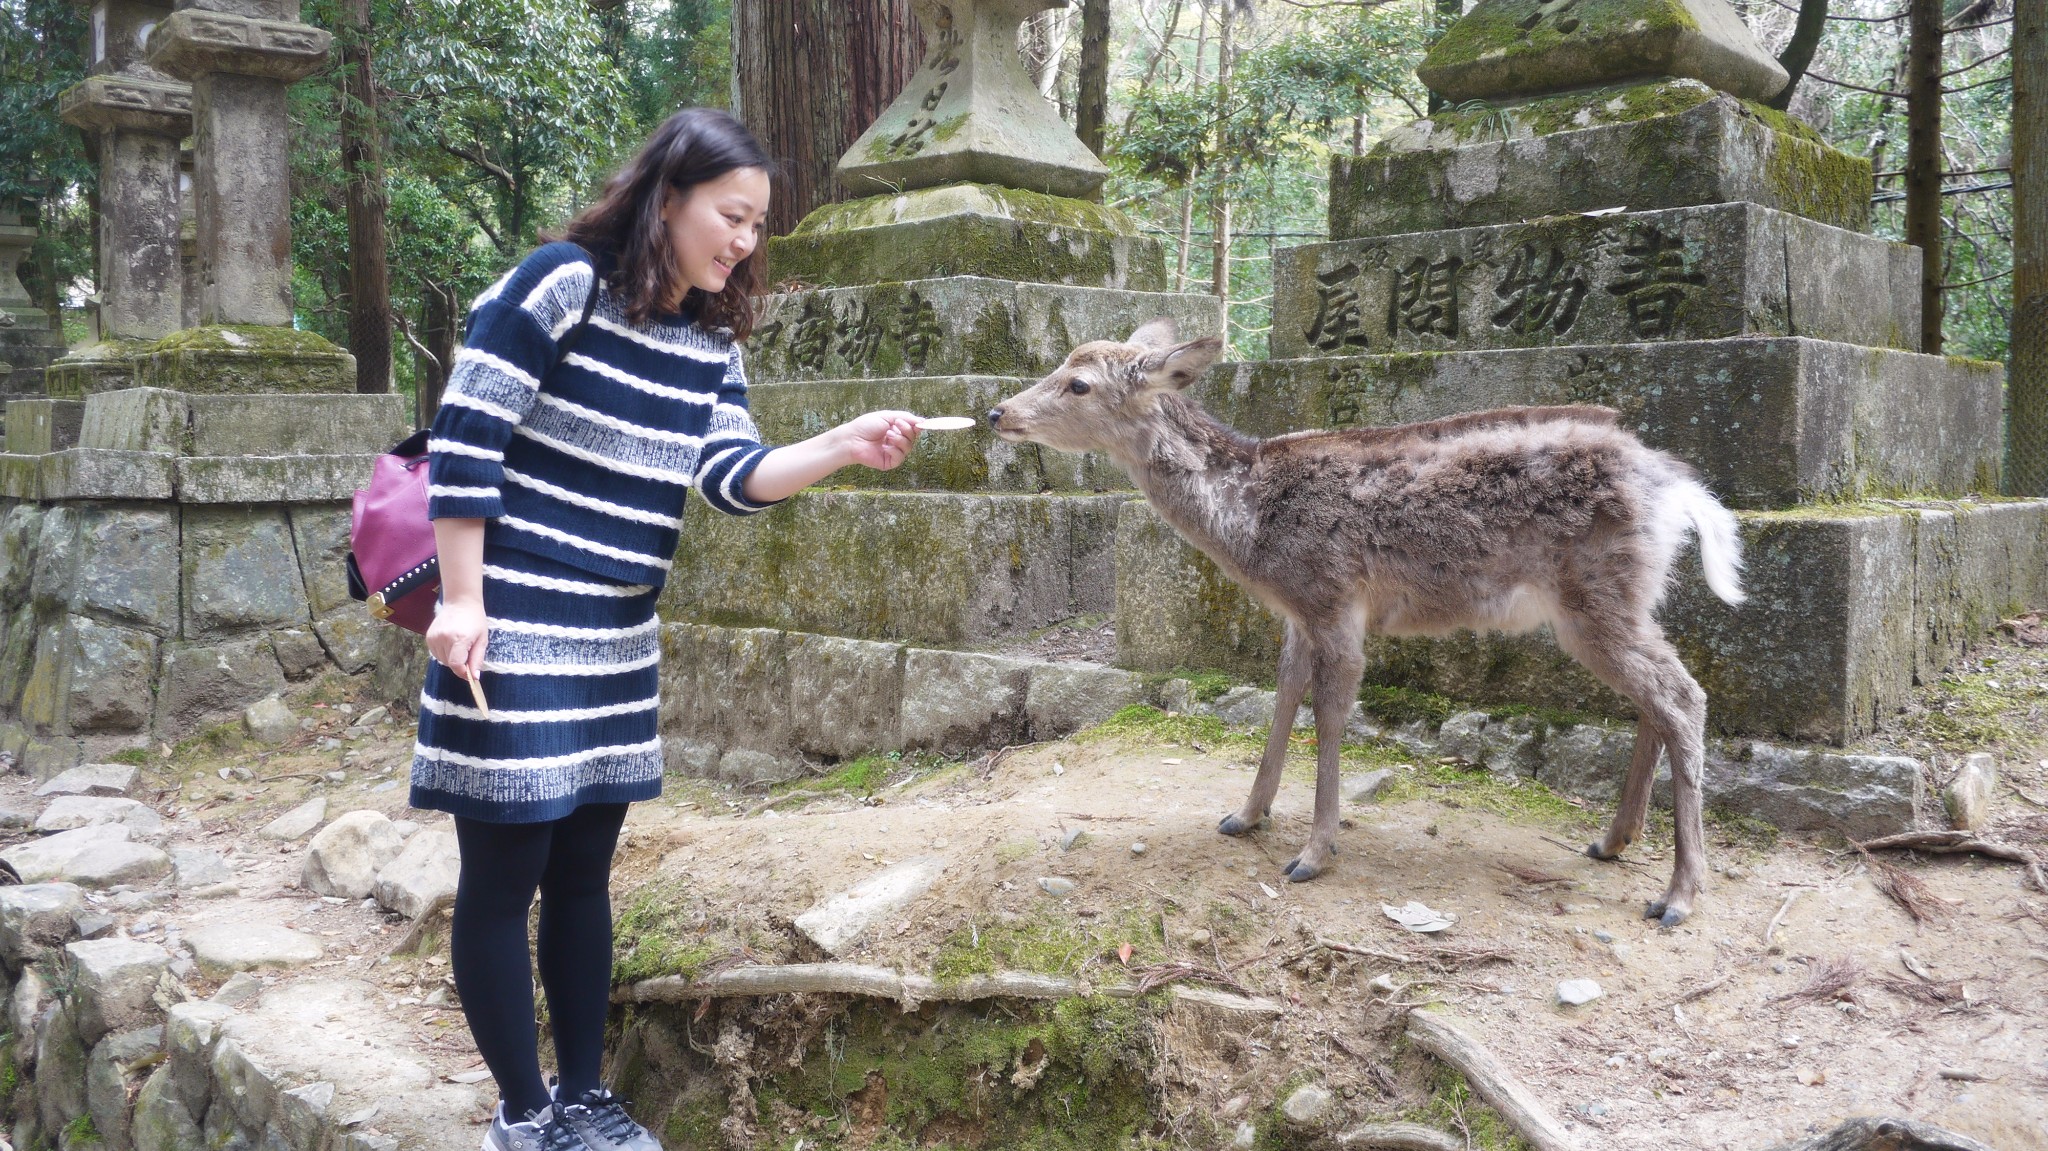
point(103, 367)
point(183, 424)
point(140, 621)
point(1745, 271)
point(1849, 607)
point(960, 324)
point(40, 425)
point(968, 230)
point(751, 705)
point(245, 359)
point(929, 568)
point(27, 347)
point(1646, 147)
point(1769, 422)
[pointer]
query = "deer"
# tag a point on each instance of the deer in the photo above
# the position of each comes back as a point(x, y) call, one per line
point(1501, 520)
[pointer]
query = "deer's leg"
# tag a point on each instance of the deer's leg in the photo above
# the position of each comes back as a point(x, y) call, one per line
point(1339, 662)
point(1672, 716)
point(1294, 678)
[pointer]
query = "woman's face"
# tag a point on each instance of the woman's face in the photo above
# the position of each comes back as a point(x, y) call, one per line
point(715, 225)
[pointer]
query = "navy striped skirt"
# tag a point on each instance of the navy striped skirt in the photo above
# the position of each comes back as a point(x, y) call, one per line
point(572, 675)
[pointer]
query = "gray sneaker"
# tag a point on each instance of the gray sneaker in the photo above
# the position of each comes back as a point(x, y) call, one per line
point(600, 1118)
point(541, 1130)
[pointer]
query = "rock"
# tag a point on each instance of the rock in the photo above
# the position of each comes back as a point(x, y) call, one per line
point(1055, 885)
point(37, 916)
point(374, 716)
point(1366, 788)
point(192, 868)
point(1577, 991)
point(105, 779)
point(1308, 1105)
point(222, 949)
point(161, 1122)
point(111, 1080)
point(60, 1070)
point(405, 828)
point(190, 1029)
point(424, 870)
point(1063, 698)
point(1857, 796)
point(112, 981)
point(1504, 747)
point(839, 920)
point(240, 988)
point(297, 823)
point(69, 812)
point(12, 820)
point(344, 859)
point(1138, 848)
point(22, 1008)
point(1245, 1138)
point(1968, 795)
point(270, 722)
point(99, 856)
point(957, 701)
point(92, 924)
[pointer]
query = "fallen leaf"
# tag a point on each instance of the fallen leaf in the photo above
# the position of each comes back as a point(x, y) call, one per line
point(1172, 762)
point(1123, 954)
point(476, 1076)
point(1270, 893)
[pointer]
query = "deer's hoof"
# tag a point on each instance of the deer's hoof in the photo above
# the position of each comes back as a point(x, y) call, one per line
point(1299, 870)
point(1235, 825)
point(1665, 914)
point(1599, 851)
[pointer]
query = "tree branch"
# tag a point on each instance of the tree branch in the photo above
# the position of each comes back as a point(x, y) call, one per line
point(477, 157)
point(1886, 92)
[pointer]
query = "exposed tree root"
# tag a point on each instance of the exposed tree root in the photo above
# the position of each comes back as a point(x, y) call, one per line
point(909, 990)
point(1490, 1080)
point(1399, 1137)
point(1886, 1135)
point(1945, 842)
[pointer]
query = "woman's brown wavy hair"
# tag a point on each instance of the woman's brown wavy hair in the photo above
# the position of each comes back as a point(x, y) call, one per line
point(624, 230)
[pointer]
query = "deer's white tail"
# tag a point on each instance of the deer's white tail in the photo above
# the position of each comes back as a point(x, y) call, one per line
point(1720, 542)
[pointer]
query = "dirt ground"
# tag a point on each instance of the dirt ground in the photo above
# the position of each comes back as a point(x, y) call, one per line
point(1708, 1036)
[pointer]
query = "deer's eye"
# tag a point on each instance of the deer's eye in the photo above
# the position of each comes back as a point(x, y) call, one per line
point(1078, 386)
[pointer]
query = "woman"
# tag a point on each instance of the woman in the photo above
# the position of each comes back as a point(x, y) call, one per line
point(559, 462)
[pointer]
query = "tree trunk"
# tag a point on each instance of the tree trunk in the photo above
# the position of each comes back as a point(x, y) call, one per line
point(362, 167)
point(437, 336)
point(1091, 102)
point(1798, 53)
point(809, 76)
point(1447, 13)
point(1219, 202)
point(1187, 190)
point(2026, 472)
point(1923, 161)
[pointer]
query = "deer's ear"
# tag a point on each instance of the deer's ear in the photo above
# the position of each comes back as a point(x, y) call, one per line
point(1182, 364)
point(1157, 333)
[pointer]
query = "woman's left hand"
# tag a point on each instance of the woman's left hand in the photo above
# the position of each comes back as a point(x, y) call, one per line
point(880, 440)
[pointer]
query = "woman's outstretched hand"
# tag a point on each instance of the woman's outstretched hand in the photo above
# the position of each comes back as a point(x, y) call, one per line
point(879, 440)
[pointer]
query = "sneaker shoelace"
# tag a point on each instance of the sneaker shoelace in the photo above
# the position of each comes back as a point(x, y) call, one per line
point(608, 1114)
point(556, 1135)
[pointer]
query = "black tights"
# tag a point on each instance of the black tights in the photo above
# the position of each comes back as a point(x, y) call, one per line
point(569, 860)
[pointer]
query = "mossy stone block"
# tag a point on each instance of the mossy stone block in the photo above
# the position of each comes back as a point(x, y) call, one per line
point(1696, 273)
point(149, 419)
point(1827, 644)
point(974, 460)
point(245, 359)
point(1768, 422)
point(1643, 147)
point(968, 230)
point(1507, 48)
point(102, 367)
point(897, 565)
point(37, 425)
point(241, 572)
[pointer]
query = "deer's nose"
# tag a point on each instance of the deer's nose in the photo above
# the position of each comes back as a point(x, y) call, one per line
point(995, 416)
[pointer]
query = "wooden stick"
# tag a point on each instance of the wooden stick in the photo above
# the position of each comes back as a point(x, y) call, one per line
point(906, 988)
point(476, 692)
point(1945, 842)
point(1399, 1137)
point(1780, 916)
point(1491, 1081)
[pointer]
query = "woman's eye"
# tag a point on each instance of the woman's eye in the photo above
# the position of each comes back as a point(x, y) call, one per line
point(1078, 386)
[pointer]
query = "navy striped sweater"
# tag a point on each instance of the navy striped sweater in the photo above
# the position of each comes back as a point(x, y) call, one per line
point(588, 463)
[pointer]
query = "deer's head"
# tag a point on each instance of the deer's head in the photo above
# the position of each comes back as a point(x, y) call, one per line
point(1104, 391)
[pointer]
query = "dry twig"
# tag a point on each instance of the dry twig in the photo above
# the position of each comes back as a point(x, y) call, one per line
point(1780, 916)
point(1534, 877)
point(1905, 889)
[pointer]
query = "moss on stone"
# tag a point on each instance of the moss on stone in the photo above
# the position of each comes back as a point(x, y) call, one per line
point(1600, 30)
point(1477, 121)
point(257, 338)
point(1068, 1076)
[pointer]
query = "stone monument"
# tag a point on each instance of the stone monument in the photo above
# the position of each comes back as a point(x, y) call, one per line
point(870, 618)
point(28, 338)
point(176, 513)
point(1629, 228)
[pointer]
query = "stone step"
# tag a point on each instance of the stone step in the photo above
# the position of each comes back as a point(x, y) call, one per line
point(102, 474)
point(183, 424)
point(752, 704)
point(35, 425)
point(928, 567)
point(1696, 273)
point(1648, 146)
point(973, 460)
point(1769, 422)
point(1849, 607)
point(952, 325)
